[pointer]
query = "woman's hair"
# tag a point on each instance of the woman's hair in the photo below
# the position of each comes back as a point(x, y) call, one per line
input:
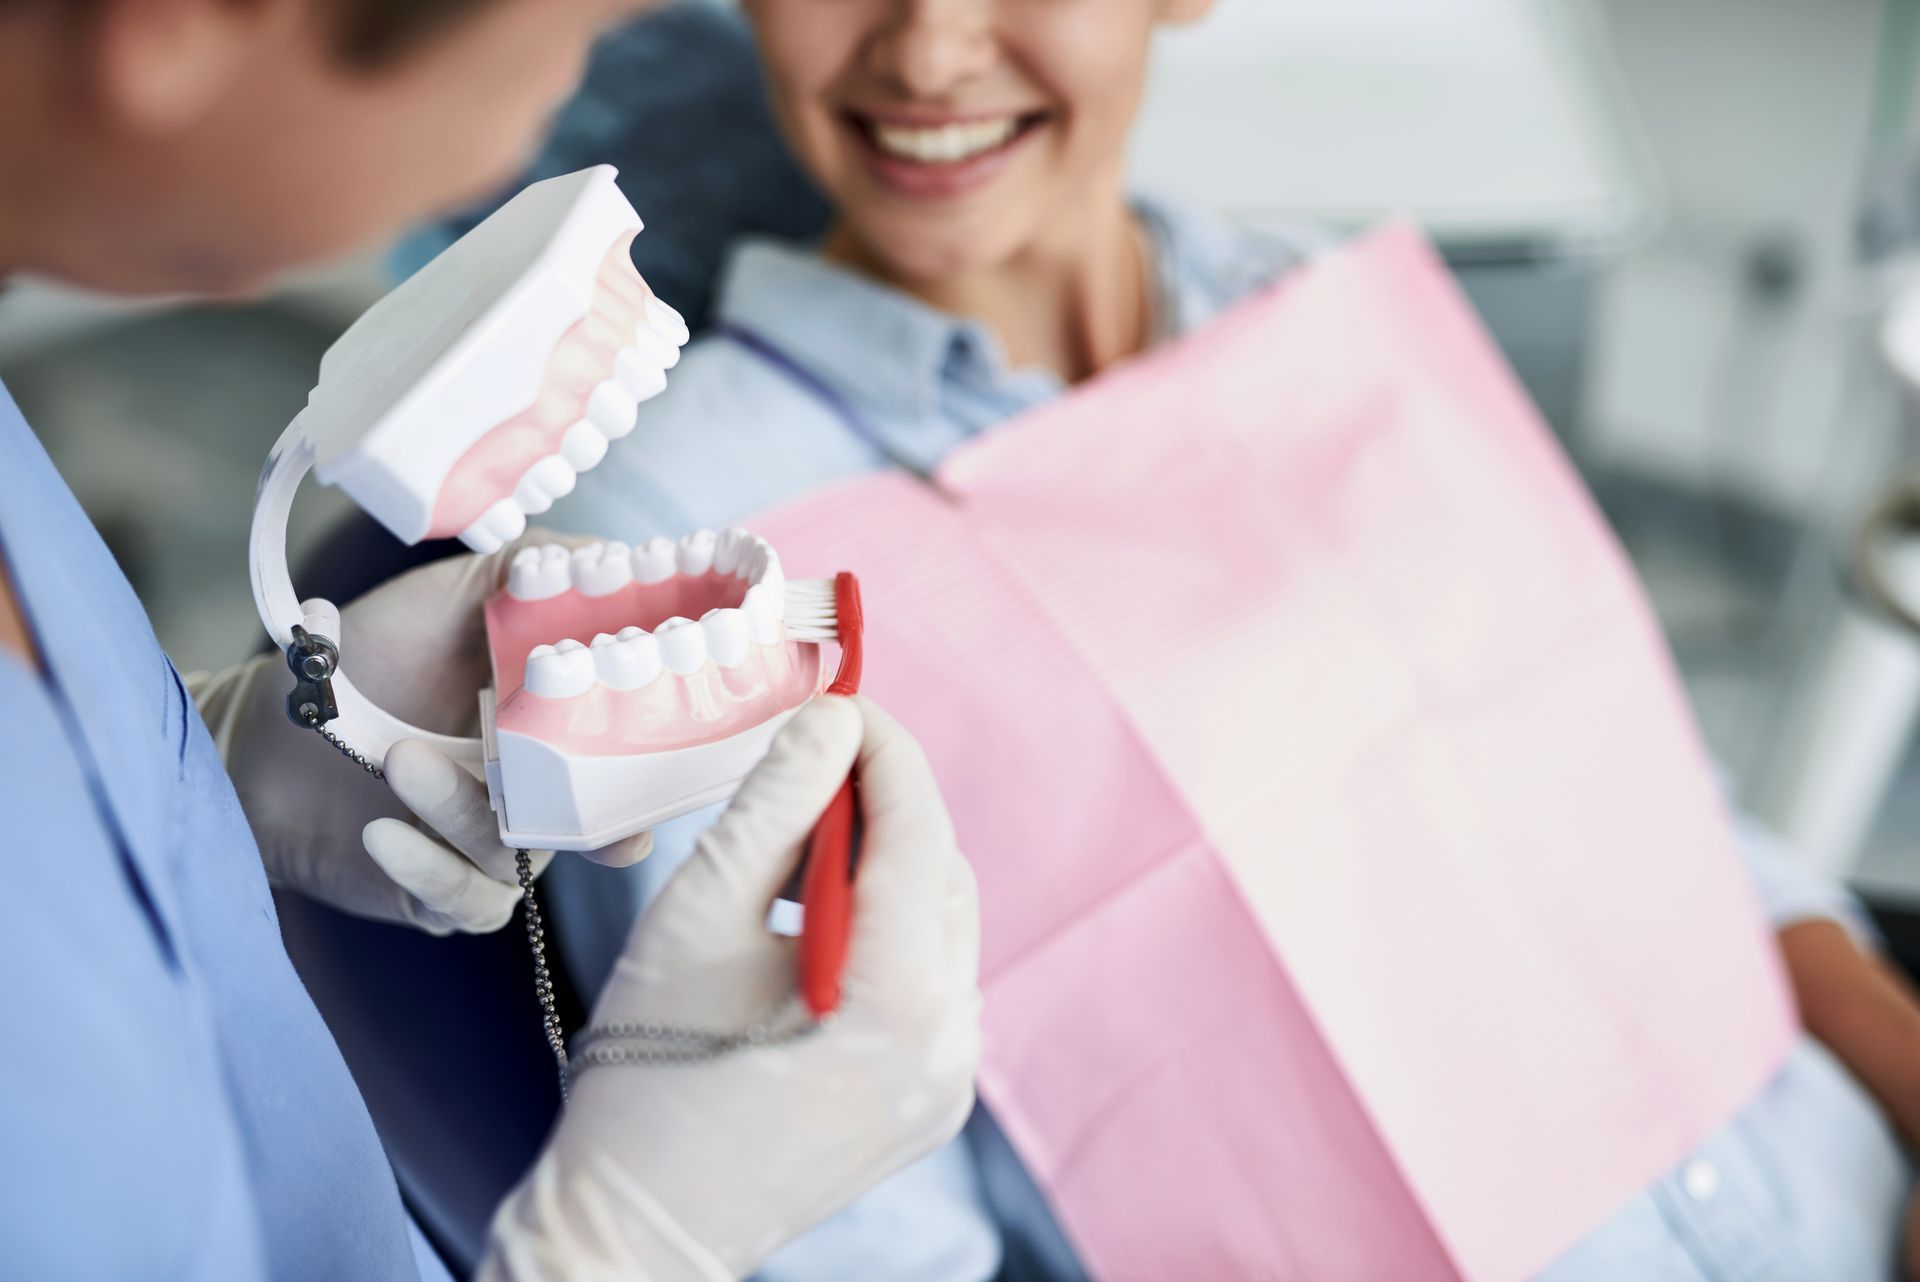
point(369, 33)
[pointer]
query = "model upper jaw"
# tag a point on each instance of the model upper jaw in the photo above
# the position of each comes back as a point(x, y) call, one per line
point(614, 357)
point(472, 395)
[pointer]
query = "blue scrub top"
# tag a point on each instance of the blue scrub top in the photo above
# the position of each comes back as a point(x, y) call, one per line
point(171, 1104)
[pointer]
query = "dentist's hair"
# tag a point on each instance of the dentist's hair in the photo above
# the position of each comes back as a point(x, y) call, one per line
point(369, 33)
point(373, 33)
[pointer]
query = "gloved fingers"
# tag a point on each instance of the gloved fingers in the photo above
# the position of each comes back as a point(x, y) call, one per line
point(452, 894)
point(742, 862)
point(322, 871)
point(451, 802)
point(907, 866)
point(624, 853)
point(963, 924)
point(900, 798)
point(946, 1005)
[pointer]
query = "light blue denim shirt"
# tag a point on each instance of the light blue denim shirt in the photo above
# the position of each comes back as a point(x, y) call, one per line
point(1806, 1185)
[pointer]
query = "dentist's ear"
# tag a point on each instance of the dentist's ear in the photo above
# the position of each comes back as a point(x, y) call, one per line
point(157, 66)
point(1176, 12)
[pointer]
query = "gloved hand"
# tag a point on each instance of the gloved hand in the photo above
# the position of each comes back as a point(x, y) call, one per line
point(699, 1170)
point(424, 848)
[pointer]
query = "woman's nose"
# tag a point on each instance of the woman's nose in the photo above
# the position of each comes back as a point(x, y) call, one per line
point(931, 47)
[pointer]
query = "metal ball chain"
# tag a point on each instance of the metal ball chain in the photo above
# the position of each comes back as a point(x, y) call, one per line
point(348, 750)
point(649, 1043)
point(542, 978)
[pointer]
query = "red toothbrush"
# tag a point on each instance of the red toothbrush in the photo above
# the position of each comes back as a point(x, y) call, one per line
point(826, 886)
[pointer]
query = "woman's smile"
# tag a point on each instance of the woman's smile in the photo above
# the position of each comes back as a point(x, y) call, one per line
point(939, 155)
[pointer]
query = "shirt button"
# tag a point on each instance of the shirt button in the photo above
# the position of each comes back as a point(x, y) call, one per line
point(1701, 1179)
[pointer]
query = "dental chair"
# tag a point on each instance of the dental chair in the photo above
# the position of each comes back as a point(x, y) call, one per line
point(442, 1035)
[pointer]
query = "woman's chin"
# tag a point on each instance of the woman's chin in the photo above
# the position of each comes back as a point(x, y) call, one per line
point(922, 253)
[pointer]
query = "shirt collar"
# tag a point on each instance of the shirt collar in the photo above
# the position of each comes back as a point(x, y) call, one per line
point(879, 348)
point(888, 353)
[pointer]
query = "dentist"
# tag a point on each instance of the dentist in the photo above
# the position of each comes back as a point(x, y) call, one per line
point(172, 1104)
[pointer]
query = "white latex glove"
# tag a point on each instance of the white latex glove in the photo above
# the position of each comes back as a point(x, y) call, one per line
point(699, 1171)
point(423, 848)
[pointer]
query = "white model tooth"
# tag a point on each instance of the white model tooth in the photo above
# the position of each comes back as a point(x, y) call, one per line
point(753, 556)
point(479, 538)
point(683, 645)
point(524, 581)
point(559, 671)
point(583, 447)
point(729, 554)
point(668, 322)
point(551, 478)
point(600, 568)
point(643, 377)
point(555, 474)
point(538, 573)
point(753, 559)
point(530, 499)
point(553, 575)
point(506, 520)
point(493, 529)
point(661, 352)
point(626, 662)
point(653, 561)
point(728, 639)
point(696, 552)
point(763, 615)
point(612, 408)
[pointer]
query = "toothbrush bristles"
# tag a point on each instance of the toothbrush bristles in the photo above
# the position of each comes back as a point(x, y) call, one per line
point(811, 614)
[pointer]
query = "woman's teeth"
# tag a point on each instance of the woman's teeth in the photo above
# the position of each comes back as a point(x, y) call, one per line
point(944, 144)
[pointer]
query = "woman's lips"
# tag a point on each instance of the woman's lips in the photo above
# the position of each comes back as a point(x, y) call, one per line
point(931, 159)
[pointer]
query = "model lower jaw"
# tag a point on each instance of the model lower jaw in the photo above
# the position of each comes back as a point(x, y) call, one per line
point(609, 649)
point(673, 711)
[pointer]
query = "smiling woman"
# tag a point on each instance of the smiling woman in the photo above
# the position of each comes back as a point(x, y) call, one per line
point(970, 150)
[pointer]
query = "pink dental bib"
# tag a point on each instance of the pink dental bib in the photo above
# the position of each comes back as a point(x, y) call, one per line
point(1358, 902)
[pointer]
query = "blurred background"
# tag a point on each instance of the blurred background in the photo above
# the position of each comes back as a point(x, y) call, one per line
point(1690, 225)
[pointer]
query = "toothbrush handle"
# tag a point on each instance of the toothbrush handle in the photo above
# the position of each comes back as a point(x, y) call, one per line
point(827, 892)
point(826, 888)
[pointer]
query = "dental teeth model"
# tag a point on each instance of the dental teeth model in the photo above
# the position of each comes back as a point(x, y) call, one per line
point(631, 684)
